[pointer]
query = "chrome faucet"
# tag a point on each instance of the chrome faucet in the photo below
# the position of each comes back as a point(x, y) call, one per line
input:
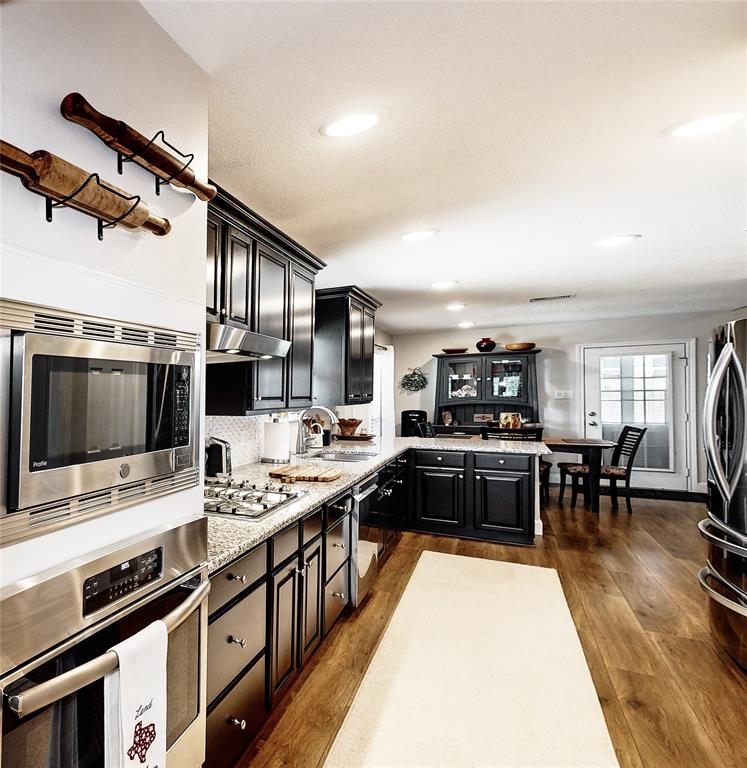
point(304, 437)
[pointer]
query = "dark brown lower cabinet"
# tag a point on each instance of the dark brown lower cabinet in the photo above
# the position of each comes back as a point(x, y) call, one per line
point(231, 726)
point(285, 622)
point(501, 501)
point(439, 496)
point(311, 598)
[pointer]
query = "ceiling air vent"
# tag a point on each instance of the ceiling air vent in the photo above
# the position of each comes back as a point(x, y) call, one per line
point(553, 298)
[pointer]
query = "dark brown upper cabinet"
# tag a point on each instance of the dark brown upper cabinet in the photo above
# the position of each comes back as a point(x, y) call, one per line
point(344, 346)
point(259, 279)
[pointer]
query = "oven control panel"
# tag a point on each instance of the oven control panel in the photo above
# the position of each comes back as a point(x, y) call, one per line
point(106, 587)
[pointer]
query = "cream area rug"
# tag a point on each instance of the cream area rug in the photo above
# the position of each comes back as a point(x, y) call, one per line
point(480, 666)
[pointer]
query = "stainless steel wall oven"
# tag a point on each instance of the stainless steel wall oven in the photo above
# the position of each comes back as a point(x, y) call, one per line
point(100, 413)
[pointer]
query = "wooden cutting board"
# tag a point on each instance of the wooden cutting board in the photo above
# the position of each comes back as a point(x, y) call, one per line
point(290, 474)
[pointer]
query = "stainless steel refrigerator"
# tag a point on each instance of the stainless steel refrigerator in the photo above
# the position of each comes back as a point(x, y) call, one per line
point(724, 577)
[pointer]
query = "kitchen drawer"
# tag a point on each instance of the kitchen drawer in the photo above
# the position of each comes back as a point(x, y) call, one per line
point(284, 544)
point(505, 461)
point(336, 596)
point(338, 546)
point(235, 639)
point(337, 509)
point(439, 458)
point(312, 525)
point(226, 584)
point(226, 740)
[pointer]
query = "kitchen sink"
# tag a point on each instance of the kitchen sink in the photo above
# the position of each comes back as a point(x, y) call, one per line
point(343, 456)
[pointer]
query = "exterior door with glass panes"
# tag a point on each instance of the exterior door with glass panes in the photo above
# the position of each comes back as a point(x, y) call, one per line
point(463, 382)
point(506, 378)
point(643, 386)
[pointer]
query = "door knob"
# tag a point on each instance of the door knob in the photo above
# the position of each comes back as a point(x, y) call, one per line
point(592, 413)
point(593, 424)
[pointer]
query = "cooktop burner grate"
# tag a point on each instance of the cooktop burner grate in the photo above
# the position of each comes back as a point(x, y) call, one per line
point(227, 496)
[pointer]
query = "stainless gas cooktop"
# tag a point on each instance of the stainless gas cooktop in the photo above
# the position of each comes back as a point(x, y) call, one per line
point(226, 496)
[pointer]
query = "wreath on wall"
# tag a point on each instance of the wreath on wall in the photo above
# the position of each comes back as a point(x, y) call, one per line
point(414, 381)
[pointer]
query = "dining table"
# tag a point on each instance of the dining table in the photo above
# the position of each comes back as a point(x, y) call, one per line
point(591, 450)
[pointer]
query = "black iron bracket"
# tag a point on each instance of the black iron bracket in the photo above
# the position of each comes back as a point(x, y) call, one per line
point(122, 159)
point(94, 177)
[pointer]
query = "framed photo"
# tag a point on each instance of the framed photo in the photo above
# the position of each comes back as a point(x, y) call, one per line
point(482, 418)
point(509, 420)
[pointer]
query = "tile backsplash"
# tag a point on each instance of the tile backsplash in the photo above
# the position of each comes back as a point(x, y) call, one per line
point(244, 433)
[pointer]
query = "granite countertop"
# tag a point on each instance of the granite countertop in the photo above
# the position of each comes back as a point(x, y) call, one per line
point(228, 538)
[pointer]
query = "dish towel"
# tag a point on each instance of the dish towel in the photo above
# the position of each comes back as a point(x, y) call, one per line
point(135, 701)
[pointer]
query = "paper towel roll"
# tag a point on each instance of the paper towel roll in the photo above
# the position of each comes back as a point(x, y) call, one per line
point(276, 449)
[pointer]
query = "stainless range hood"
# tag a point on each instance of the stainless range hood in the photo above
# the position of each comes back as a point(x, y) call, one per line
point(226, 344)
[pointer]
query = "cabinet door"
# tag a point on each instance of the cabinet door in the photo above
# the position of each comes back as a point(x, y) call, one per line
point(312, 585)
point(502, 501)
point(506, 379)
point(301, 355)
point(271, 305)
point(284, 641)
point(461, 380)
point(354, 376)
point(367, 352)
point(214, 267)
point(440, 496)
point(238, 278)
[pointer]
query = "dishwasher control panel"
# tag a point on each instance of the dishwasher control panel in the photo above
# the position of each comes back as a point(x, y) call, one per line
point(125, 577)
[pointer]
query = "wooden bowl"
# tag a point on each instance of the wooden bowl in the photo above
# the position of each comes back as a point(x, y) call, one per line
point(348, 426)
point(520, 346)
point(454, 350)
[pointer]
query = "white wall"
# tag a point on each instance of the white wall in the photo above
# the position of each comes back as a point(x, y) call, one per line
point(129, 68)
point(557, 365)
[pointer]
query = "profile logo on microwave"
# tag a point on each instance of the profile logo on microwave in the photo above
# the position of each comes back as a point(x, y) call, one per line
point(35, 464)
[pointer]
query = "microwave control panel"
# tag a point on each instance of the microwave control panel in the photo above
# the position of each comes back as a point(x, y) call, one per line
point(106, 587)
point(182, 397)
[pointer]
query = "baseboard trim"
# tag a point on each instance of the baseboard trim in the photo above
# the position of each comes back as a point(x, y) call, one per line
point(650, 493)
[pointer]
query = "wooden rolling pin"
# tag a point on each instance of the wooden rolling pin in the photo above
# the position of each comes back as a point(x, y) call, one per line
point(120, 137)
point(51, 176)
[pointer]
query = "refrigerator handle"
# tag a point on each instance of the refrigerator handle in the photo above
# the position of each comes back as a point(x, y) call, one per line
point(726, 485)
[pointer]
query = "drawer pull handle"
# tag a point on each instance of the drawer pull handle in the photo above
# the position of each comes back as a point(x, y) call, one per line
point(238, 723)
point(341, 595)
point(240, 641)
point(339, 507)
point(235, 577)
point(338, 545)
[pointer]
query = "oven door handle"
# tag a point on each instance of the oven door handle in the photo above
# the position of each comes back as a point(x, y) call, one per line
point(44, 694)
point(709, 573)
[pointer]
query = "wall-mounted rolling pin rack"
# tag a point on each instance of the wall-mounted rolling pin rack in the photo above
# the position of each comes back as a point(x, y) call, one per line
point(132, 146)
point(64, 184)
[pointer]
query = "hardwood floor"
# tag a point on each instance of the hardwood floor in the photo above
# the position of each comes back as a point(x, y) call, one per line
point(669, 695)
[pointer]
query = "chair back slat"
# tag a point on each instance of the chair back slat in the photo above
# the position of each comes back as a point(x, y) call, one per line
point(627, 445)
point(524, 433)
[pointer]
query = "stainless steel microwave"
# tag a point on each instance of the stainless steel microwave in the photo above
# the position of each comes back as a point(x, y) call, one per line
point(97, 422)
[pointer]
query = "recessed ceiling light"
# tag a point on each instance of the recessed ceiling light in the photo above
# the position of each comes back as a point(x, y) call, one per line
point(420, 234)
point(455, 307)
point(617, 240)
point(442, 286)
point(350, 125)
point(466, 325)
point(703, 125)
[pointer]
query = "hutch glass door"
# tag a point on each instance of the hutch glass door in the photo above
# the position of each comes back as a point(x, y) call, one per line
point(507, 378)
point(463, 380)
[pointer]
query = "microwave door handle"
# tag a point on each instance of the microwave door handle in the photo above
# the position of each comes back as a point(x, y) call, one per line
point(710, 404)
point(44, 694)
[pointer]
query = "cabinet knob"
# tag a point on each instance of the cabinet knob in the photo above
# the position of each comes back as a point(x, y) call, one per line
point(341, 595)
point(439, 458)
point(501, 461)
point(236, 577)
point(338, 545)
point(257, 398)
point(478, 477)
point(461, 477)
point(240, 641)
point(238, 723)
point(232, 315)
point(301, 571)
point(399, 482)
point(307, 565)
point(223, 312)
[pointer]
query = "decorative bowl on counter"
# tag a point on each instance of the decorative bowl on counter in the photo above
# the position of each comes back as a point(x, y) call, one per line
point(348, 426)
point(454, 350)
point(520, 346)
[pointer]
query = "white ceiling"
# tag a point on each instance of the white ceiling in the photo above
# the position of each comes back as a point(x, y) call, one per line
point(524, 132)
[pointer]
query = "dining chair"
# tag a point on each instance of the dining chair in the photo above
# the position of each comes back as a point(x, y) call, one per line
point(620, 468)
